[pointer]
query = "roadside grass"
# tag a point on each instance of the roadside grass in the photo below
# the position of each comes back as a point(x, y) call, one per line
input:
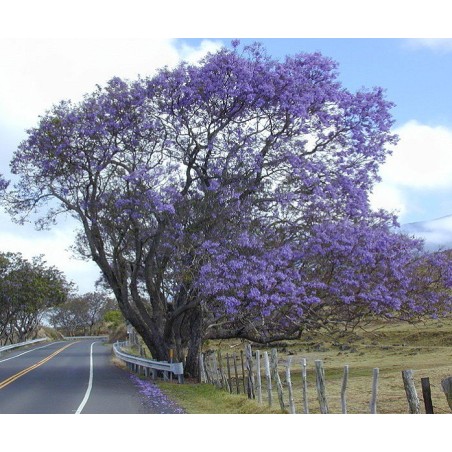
point(425, 348)
point(206, 399)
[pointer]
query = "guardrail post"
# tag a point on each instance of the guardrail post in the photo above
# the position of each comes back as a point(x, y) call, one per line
point(148, 366)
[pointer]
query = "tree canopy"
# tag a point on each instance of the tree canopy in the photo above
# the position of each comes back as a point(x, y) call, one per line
point(27, 290)
point(81, 314)
point(230, 198)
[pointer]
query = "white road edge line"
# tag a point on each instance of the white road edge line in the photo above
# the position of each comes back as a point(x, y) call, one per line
point(29, 351)
point(90, 383)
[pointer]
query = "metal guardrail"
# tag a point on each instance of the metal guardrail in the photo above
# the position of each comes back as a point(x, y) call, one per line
point(68, 338)
point(20, 344)
point(176, 368)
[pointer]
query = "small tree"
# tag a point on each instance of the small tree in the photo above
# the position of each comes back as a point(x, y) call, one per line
point(113, 318)
point(27, 291)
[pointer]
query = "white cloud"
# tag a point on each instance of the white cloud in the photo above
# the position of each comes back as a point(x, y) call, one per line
point(422, 158)
point(192, 55)
point(436, 233)
point(37, 73)
point(54, 245)
point(435, 44)
point(388, 197)
point(420, 167)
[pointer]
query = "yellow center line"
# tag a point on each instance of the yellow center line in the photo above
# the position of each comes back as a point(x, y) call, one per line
point(34, 366)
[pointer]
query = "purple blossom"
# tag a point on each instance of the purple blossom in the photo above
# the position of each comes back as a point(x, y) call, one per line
point(3, 183)
point(160, 403)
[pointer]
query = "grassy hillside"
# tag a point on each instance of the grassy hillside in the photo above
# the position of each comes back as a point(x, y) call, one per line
point(426, 348)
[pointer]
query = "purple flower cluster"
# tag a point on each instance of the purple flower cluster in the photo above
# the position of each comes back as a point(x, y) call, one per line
point(158, 401)
point(3, 183)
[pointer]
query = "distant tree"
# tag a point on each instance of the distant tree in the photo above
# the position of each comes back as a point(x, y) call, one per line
point(7, 308)
point(69, 317)
point(114, 318)
point(27, 290)
point(213, 196)
point(81, 313)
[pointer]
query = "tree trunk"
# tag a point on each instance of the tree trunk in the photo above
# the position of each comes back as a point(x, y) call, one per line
point(152, 338)
point(190, 336)
point(162, 326)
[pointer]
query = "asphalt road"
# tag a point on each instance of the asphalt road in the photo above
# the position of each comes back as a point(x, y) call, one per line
point(74, 377)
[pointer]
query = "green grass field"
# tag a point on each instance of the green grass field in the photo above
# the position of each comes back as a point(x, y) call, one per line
point(426, 348)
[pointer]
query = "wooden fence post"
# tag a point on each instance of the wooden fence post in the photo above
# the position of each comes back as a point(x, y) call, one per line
point(427, 395)
point(243, 371)
point(236, 373)
point(258, 376)
point(211, 364)
point(217, 380)
point(268, 378)
point(220, 368)
point(289, 387)
point(410, 389)
point(249, 369)
point(229, 373)
point(202, 369)
point(223, 379)
point(304, 377)
point(344, 390)
point(446, 384)
point(320, 383)
point(373, 400)
point(275, 377)
point(208, 369)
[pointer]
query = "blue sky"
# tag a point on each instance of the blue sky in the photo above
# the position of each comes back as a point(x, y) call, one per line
point(416, 74)
point(40, 65)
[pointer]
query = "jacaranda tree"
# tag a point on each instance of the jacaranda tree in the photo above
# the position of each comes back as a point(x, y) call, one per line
point(227, 198)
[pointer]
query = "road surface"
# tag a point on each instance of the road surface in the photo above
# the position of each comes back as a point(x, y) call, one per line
point(74, 377)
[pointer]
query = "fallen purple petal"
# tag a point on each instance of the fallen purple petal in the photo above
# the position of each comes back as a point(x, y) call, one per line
point(159, 402)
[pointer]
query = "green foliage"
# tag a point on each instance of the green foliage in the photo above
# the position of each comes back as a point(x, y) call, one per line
point(113, 318)
point(27, 290)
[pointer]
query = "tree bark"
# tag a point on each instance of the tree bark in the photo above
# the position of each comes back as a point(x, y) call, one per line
point(194, 343)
